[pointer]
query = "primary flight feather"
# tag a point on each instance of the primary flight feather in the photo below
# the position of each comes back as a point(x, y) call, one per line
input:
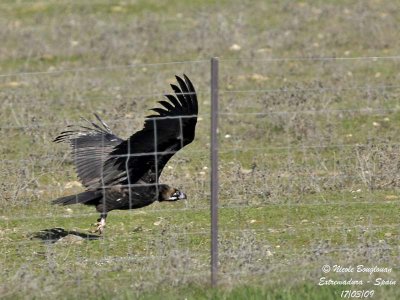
point(124, 174)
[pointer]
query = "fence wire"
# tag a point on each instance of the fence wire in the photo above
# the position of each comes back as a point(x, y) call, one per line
point(309, 173)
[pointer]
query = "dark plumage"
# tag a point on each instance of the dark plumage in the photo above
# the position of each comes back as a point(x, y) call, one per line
point(123, 174)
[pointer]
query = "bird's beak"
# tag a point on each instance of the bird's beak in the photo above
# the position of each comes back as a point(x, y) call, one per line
point(175, 197)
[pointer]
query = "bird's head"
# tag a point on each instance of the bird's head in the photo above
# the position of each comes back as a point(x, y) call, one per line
point(168, 193)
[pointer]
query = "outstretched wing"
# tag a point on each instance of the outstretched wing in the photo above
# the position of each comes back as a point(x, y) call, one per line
point(90, 148)
point(145, 153)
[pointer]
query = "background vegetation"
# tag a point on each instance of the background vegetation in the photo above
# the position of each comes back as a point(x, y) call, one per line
point(309, 148)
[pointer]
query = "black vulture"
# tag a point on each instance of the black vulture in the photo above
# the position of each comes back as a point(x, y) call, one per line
point(124, 174)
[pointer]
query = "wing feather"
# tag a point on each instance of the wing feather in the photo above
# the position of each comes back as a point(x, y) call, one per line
point(90, 148)
point(167, 105)
point(180, 95)
point(144, 155)
point(174, 101)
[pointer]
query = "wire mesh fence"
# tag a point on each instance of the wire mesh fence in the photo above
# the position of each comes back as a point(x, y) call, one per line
point(314, 142)
point(308, 173)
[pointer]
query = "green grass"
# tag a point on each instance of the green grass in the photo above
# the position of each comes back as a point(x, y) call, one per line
point(136, 242)
point(308, 149)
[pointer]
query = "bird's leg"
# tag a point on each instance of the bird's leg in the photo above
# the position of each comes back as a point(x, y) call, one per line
point(101, 223)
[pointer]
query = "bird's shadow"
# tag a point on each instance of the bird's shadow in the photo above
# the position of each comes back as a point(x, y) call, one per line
point(53, 235)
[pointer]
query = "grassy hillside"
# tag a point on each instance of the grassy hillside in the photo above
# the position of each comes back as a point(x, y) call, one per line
point(309, 147)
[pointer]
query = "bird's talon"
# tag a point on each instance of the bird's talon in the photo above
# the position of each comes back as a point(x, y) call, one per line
point(100, 225)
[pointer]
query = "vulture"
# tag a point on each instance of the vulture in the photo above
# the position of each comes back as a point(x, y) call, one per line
point(124, 174)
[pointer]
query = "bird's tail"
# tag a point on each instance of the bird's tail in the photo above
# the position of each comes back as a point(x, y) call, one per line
point(84, 198)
